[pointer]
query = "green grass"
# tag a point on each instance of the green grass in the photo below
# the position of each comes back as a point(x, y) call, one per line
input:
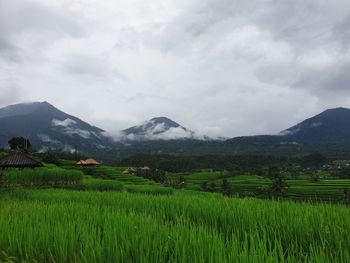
point(50, 175)
point(71, 226)
point(116, 173)
point(149, 189)
point(91, 184)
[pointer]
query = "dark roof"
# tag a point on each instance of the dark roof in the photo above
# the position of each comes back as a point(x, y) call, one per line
point(19, 160)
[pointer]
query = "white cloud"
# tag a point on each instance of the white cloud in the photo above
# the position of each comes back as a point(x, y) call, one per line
point(69, 127)
point(64, 123)
point(47, 139)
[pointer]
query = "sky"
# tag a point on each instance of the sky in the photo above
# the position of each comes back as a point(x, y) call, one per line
point(218, 67)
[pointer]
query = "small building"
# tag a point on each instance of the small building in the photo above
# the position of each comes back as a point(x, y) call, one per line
point(146, 168)
point(88, 163)
point(130, 170)
point(19, 160)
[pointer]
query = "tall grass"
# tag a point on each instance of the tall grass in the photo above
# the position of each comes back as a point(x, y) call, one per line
point(149, 189)
point(43, 176)
point(64, 226)
point(91, 184)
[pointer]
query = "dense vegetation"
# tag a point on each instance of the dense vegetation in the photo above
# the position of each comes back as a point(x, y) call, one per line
point(109, 215)
point(235, 163)
point(43, 176)
point(185, 227)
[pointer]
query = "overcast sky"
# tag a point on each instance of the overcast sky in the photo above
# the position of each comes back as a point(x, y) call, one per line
point(218, 67)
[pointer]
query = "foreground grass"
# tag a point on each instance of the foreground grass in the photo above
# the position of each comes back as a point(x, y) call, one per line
point(67, 226)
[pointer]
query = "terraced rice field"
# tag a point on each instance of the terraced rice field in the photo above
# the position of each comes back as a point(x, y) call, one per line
point(325, 190)
point(75, 226)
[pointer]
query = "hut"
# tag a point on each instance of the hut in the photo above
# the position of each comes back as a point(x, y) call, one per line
point(146, 168)
point(130, 170)
point(19, 160)
point(88, 163)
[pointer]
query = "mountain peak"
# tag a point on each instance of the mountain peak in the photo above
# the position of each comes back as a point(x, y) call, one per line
point(158, 128)
point(166, 121)
point(332, 124)
point(48, 127)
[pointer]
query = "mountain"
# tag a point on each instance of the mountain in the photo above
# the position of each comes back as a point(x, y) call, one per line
point(160, 128)
point(327, 132)
point(49, 128)
point(329, 127)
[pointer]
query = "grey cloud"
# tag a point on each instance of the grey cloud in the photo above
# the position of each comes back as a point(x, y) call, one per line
point(9, 94)
point(215, 66)
point(341, 32)
point(22, 16)
point(27, 23)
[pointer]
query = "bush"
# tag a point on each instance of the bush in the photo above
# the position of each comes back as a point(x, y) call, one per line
point(102, 185)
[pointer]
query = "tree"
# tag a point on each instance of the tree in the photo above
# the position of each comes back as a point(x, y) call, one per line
point(313, 161)
point(51, 157)
point(347, 196)
point(226, 187)
point(204, 186)
point(315, 177)
point(181, 183)
point(20, 144)
point(212, 187)
point(279, 185)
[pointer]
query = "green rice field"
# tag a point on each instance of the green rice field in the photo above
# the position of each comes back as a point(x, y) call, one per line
point(249, 185)
point(110, 216)
point(74, 226)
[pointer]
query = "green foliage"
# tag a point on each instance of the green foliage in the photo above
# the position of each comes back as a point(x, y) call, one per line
point(20, 143)
point(149, 189)
point(279, 185)
point(182, 163)
point(43, 176)
point(314, 160)
point(226, 187)
point(153, 174)
point(66, 226)
point(347, 196)
point(102, 185)
point(51, 157)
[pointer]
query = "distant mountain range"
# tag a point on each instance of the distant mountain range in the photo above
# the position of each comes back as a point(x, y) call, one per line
point(49, 128)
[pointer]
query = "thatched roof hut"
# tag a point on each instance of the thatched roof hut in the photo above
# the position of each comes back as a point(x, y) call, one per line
point(146, 168)
point(130, 170)
point(19, 160)
point(88, 162)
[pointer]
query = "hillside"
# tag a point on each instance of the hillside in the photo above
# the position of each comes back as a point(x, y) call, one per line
point(49, 128)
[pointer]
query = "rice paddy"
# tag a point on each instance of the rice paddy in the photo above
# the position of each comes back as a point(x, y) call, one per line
point(117, 217)
point(73, 226)
point(45, 176)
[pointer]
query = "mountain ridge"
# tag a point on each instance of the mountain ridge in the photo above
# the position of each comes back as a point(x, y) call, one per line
point(47, 127)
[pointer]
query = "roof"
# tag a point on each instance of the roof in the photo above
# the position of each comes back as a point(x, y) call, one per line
point(88, 162)
point(129, 170)
point(19, 160)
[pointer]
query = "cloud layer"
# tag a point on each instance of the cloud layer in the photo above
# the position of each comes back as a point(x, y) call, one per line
point(218, 67)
